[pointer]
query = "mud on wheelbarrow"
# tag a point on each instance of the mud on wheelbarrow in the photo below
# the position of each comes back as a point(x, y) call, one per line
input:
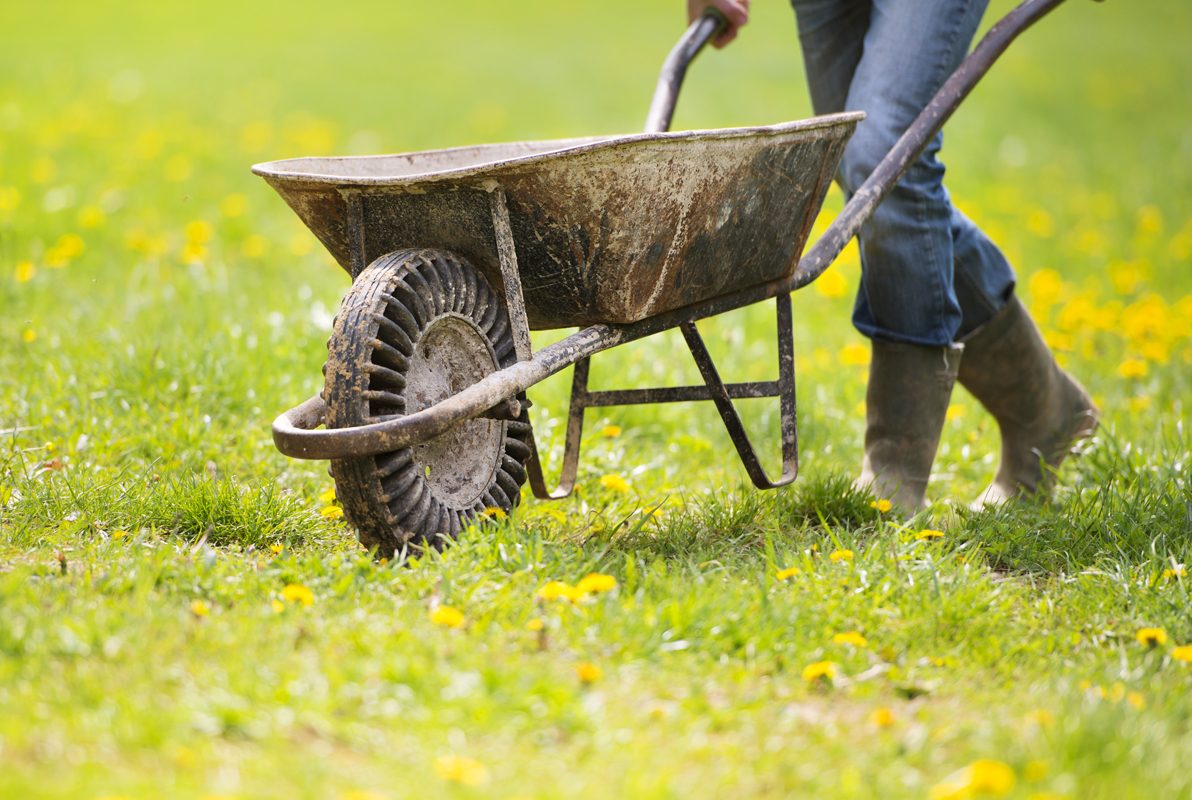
point(456, 255)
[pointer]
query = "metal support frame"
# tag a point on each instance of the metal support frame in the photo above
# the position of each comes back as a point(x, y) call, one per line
point(720, 393)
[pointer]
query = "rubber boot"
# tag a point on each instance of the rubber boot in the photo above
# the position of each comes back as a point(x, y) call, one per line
point(1041, 410)
point(905, 405)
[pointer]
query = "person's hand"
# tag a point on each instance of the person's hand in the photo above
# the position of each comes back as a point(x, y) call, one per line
point(735, 11)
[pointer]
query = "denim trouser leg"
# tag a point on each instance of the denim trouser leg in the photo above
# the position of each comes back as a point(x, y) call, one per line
point(928, 274)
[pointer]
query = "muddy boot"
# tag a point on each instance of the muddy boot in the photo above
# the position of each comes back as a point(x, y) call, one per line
point(905, 404)
point(1041, 410)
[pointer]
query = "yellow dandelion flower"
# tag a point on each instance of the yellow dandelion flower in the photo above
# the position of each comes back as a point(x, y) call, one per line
point(787, 574)
point(853, 638)
point(1150, 220)
point(819, 671)
point(928, 533)
point(595, 583)
point(840, 555)
point(882, 505)
point(1132, 368)
point(1151, 637)
point(199, 608)
point(68, 247)
point(881, 717)
point(557, 590)
point(954, 412)
point(1182, 653)
point(614, 483)
point(493, 512)
point(24, 271)
point(1046, 286)
point(331, 512)
point(1172, 573)
point(587, 672)
point(327, 497)
point(234, 205)
point(255, 246)
point(277, 548)
point(1040, 223)
point(296, 593)
point(1041, 717)
point(854, 355)
point(29, 336)
point(831, 284)
point(461, 769)
point(10, 198)
point(1035, 770)
point(610, 431)
point(987, 776)
point(535, 625)
point(448, 617)
point(199, 231)
point(43, 170)
point(91, 217)
point(193, 253)
point(1136, 700)
point(277, 606)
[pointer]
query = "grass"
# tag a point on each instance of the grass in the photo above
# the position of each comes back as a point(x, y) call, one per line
point(156, 553)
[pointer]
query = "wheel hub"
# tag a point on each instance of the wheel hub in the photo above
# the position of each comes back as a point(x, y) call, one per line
point(449, 357)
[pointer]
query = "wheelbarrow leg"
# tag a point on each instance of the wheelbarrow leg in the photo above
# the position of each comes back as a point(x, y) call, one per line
point(575, 430)
point(786, 392)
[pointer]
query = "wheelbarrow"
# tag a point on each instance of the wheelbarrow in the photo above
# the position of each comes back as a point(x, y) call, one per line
point(456, 255)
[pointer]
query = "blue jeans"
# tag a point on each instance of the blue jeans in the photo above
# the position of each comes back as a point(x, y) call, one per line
point(929, 276)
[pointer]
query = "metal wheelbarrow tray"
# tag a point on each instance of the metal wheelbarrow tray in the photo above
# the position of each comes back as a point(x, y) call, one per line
point(457, 254)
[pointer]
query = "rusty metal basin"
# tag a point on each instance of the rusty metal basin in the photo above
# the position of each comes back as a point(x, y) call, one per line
point(606, 230)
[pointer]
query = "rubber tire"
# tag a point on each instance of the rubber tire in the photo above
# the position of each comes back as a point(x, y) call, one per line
point(392, 499)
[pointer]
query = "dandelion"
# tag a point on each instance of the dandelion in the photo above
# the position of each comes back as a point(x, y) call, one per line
point(1132, 368)
point(831, 284)
point(277, 606)
point(1136, 700)
point(24, 271)
point(296, 593)
point(819, 671)
point(91, 217)
point(614, 483)
point(29, 336)
point(68, 247)
point(327, 497)
point(1041, 717)
point(461, 769)
point(787, 574)
point(199, 608)
point(927, 534)
point(984, 776)
point(881, 717)
point(448, 617)
point(840, 555)
point(854, 355)
point(277, 548)
point(588, 673)
point(331, 512)
point(882, 505)
point(1172, 573)
point(494, 512)
point(852, 638)
point(1151, 637)
point(595, 583)
point(535, 625)
point(557, 590)
point(954, 412)
point(234, 205)
point(610, 431)
point(1183, 653)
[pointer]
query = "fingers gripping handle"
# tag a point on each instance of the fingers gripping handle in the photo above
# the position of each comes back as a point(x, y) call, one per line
point(702, 31)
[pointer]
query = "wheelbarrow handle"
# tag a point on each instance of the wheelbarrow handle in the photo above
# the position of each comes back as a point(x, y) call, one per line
point(666, 94)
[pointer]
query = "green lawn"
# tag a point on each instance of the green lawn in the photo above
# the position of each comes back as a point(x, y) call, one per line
point(179, 618)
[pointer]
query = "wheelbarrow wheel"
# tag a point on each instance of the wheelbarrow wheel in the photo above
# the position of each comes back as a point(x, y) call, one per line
point(416, 327)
